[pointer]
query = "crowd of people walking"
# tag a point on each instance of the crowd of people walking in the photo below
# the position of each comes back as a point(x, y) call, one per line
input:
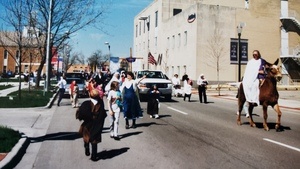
point(121, 92)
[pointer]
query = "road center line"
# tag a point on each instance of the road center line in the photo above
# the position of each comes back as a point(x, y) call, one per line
point(281, 144)
point(178, 111)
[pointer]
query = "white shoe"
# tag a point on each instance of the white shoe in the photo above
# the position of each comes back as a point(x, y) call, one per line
point(156, 116)
point(247, 115)
point(151, 116)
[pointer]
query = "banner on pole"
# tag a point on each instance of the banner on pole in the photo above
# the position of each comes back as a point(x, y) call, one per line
point(114, 64)
point(234, 51)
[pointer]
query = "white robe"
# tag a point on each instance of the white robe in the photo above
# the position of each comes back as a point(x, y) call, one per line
point(250, 81)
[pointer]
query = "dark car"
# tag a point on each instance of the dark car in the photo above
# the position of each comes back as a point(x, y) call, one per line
point(81, 85)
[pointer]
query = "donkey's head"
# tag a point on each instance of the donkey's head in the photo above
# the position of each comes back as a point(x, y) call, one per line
point(273, 70)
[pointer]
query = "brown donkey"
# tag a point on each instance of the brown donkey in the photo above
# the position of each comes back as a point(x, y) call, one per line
point(268, 96)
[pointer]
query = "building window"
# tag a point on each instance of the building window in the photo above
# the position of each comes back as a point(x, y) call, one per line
point(173, 41)
point(179, 40)
point(156, 18)
point(176, 11)
point(17, 55)
point(144, 26)
point(5, 54)
point(4, 69)
point(168, 42)
point(136, 30)
point(16, 69)
point(140, 28)
point(148, 23)
point(185, 38)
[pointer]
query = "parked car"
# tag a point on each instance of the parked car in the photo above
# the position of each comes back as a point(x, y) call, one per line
point(156, 77)
point(81, 86)
point(74, 75)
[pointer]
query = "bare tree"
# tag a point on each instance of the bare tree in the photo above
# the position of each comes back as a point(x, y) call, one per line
point(67, 17)
point(97, 60)
point(216, 53)
point(72, 59)
point(14, 42)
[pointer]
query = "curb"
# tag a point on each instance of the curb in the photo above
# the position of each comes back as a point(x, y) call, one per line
point(16, 154)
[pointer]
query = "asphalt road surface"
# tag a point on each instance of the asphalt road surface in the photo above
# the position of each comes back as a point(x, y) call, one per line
point(188, 135)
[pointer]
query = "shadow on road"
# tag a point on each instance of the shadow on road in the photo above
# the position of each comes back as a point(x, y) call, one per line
point(56, 136)
point(272, 126)
point(111, 153)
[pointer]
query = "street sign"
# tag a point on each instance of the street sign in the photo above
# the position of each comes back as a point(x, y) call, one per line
point(130, 59)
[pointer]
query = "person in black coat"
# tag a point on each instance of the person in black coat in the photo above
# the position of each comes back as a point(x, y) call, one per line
point(93, 114)
point(153, 102)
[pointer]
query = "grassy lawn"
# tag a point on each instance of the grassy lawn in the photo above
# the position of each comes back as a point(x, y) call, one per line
point(32, 98)
point(8, 139)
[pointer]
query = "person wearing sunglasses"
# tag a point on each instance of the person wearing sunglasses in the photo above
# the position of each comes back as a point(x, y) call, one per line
point(254, 73)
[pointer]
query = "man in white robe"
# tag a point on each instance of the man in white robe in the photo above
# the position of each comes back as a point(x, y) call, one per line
point(250, 80)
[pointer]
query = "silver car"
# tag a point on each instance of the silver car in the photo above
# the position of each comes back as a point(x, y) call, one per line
point(79, 82)
point(154, 77)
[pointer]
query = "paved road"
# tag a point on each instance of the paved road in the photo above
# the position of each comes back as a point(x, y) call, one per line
point(207, 136)
point(55, 143)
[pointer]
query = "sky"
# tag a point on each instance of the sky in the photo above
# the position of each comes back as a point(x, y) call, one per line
point(118, 30)
point(119, 27)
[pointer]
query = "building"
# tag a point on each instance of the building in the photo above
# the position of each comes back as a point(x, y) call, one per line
point(194, 36)
point(10, 53)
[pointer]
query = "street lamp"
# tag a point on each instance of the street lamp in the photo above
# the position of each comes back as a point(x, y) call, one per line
point(145, 18)
point(239, 31)
point(108, 45)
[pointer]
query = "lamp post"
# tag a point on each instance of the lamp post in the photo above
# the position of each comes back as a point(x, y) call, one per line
point(239, 31)
point(145, 18)
point(108, 45)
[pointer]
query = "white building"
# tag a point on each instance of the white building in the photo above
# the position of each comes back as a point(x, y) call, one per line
point(202, 45)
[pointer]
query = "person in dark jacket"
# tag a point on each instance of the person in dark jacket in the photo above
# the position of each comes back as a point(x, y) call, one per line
point(93, 114)
point(153, 102)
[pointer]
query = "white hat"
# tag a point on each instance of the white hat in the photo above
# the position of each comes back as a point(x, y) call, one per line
point(201, 75)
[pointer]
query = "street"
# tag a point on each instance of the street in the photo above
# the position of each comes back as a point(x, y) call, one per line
point(187, 135)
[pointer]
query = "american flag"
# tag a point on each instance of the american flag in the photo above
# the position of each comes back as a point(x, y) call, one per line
point(151, 59)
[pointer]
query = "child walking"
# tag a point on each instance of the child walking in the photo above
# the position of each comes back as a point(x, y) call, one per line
point(153, 102)
point(114, 107)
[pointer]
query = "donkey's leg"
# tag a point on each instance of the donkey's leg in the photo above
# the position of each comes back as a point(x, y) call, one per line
point(240, 108)
point(250, 110)
point(278, 122)
point(265, 112)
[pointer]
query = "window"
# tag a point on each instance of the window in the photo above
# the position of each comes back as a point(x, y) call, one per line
point(168, 43)
point(185, 38)
point(17, 55)
point(156, 18)
point(5, 54)
point(176, 11)
point(4, 69)
point(179, 40)
point(148, 23)
point(144, 26)
point(140, 28)
point(173, 41)
point(136, 30)
point(16, 69)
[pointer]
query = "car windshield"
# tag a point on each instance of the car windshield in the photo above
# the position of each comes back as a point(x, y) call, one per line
point(78, 81)
point(150, 74)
